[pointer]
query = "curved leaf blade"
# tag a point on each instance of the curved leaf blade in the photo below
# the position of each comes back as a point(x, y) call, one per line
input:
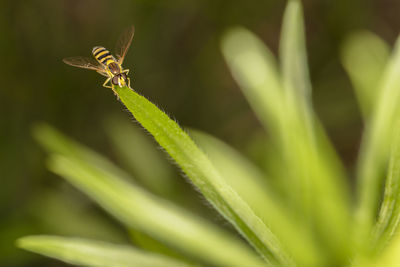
point(86, 252)
point(389, 215)
point(204, 176)
point(375, 148)
point(293, 53)
point(141, 156)
point(364, 56)
point(313, 170)
point(315, 163)
point(138, 209)
point(246, 179)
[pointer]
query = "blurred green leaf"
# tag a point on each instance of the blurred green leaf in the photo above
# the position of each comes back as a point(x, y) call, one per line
point(148, 243)
point(138, 209)
point(312, 169)
point(247, 180)
point(297, 90)
point(293, 53)
point(52, 209)
point(204, 175)
point(389, 216)
point(375, 148)
point(316, 167)
point(364, 56)
point(86, 252)
point(390, 256)
point(11, 228)
point(255, 69)
point(140, 155)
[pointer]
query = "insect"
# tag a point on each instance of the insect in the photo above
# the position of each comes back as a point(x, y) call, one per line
point(106, 64)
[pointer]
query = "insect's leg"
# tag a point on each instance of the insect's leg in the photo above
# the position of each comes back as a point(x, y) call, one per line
point(129, 80)
point(109, 86)
point(105, 83)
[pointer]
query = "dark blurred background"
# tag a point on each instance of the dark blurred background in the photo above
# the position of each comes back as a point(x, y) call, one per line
point(176, 62)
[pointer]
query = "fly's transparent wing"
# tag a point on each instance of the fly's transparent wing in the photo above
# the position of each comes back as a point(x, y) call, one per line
point(123, 44)
point(103, 73)
point(84, 62)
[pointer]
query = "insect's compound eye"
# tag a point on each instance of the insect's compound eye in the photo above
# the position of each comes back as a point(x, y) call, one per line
point(114, 80)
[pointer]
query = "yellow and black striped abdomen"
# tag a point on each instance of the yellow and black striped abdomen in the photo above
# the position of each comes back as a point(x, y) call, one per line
point(102, 55)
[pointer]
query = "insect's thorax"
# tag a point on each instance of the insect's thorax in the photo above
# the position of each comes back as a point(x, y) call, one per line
point(114, 68)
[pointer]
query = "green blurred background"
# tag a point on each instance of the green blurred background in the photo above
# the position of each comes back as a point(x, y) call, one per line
point(176, 62)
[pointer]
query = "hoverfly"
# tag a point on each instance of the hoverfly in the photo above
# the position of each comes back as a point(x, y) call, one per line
point(106, 64)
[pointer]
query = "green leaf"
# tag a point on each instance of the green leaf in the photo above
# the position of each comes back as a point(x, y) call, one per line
point(312, 168)
point(375, 148)
point(148, 243)
point(298, 123)
point(202, 173)
point(248, 181)
point(12, 227)
point(51, 209)
point(316, 168)
point(141, 156)
point(389, 216)
point(140, 210)
point(391, 256)
point(364, 56)
point(255, 69)
point(87, 252)
point(293, 53)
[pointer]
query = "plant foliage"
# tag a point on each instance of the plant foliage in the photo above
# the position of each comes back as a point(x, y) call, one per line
point(311, 222)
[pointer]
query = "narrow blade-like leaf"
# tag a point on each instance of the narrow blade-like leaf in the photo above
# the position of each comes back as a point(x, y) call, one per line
point(255, 69)
point(203, 174)
point(138, 209)
point(85, 252)
point(312, 170)
point(389, 216)
point(293, 54)
point(141, 155)
point(248, 181)
point(375, 147)
point(364, 56)
point(312, 159)
point(389, 257)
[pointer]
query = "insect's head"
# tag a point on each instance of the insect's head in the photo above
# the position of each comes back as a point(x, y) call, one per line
point(119, 79)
